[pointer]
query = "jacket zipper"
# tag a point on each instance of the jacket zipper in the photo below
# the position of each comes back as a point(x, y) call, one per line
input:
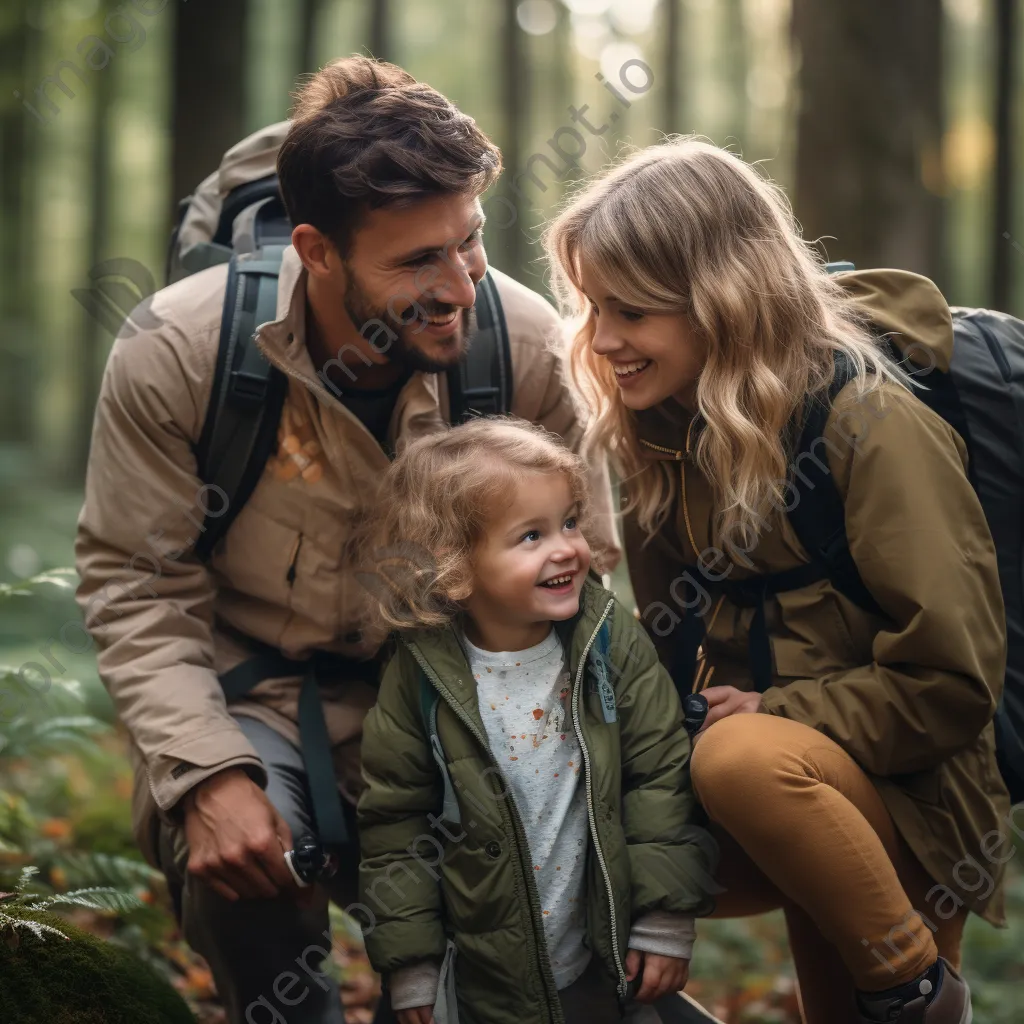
point(588, 783)
point(294, 561)
point(517, 825)
point(674, 452)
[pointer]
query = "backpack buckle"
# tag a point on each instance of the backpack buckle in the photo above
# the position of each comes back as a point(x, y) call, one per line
point(247, 389)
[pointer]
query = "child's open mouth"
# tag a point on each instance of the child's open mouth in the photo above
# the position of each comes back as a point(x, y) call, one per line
point(559, 584)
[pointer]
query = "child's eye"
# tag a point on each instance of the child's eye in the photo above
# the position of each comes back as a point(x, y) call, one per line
point(531, 535)
point(570, 523)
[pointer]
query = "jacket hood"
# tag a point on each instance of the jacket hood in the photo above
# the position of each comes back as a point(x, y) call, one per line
point(908, 307)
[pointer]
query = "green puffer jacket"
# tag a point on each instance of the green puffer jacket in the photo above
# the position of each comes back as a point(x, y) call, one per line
point(467, 875)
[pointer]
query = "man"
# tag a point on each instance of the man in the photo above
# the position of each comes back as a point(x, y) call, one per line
point(381, 177)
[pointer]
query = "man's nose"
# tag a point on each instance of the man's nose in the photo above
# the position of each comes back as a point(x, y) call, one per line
point(460, 273)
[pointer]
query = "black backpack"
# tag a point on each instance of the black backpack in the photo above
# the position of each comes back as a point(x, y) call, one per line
point(240, 430)
point(982, 398)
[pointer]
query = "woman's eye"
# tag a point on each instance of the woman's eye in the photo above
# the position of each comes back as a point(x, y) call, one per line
point(631, 315)
point(570, 523)
point(594, 309)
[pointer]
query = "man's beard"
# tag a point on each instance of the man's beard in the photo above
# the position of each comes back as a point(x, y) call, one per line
point(402, 333)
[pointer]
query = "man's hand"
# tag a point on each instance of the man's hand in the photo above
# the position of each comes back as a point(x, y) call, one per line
point(727, 700)
point(416, 1015)
point(236, 838)
point(661, 974)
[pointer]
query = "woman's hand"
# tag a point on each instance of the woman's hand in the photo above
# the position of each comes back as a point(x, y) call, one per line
point(416, 1015)
point(727, 700)
point(661, 974)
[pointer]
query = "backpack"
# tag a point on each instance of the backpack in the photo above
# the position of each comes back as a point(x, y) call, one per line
point(248, 228)
point(982, 398)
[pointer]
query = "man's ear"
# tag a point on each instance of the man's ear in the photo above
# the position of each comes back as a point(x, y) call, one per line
point(316, 250)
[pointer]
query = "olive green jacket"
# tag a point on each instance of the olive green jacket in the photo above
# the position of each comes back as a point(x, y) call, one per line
point(910, 697)
point(426, 880)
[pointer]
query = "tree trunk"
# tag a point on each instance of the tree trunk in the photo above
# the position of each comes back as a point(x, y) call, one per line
point(310, 10)
point(208, 89)
point(514, 105)
point(94, 332)
point(671, 62)
point(18, 43)
point(380, 30)
point(869, 131)
point(1006, 77)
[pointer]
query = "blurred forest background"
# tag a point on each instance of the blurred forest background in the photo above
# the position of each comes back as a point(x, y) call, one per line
point(896, 128)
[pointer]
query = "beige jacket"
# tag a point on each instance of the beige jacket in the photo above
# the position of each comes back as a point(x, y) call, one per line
point(166, 624)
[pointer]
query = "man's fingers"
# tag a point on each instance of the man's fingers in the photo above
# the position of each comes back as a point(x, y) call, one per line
point(284, 833)
point(243, 870)
point(222, 888)
point(270, 854)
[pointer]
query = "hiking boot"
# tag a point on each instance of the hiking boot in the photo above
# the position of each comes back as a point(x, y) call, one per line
point(939, 996)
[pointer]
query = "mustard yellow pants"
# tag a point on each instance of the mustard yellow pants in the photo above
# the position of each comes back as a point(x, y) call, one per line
point(801, 827)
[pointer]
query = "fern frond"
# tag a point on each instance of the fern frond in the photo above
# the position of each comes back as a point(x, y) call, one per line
point(96, 898)
point(26, 876)
point(37, 928)
point(106, 869)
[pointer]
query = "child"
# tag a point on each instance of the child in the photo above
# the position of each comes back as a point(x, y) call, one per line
point(525, 830)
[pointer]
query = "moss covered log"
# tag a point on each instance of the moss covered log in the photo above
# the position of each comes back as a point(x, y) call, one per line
point(80, 981)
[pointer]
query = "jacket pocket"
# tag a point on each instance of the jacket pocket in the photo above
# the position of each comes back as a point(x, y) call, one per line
point(446, 1007)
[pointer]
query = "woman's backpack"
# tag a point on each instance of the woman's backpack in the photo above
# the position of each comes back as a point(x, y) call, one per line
point(982, 398)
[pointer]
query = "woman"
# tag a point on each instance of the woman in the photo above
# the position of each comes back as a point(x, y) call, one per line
point(861, 798)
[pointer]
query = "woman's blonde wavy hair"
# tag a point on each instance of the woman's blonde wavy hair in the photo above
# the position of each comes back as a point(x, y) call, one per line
point(434, 505)
point(686, 227)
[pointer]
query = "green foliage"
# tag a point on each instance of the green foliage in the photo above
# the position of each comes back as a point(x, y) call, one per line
point(64, 787)
point(78, 979)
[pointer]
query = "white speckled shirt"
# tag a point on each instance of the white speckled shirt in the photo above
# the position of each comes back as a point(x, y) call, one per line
point(524, 704)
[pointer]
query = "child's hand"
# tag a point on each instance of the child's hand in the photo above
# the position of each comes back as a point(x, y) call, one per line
point(416, 1015)
point(661, 974)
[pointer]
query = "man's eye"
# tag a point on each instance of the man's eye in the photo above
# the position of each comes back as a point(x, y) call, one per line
point(570, 523)
point(474, 239)
point(531, 535)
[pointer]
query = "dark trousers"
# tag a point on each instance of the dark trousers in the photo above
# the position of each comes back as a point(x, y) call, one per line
point(266, 955)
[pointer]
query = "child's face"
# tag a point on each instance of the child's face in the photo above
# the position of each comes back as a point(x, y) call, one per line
point(654, 356)
point(530, 564)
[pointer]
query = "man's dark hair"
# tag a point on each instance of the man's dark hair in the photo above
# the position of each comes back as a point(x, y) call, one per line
point(366, 134)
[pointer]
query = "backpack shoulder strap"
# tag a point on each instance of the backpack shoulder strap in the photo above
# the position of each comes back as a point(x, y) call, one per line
point(481, 383)
point(817, 515)
point(240, 428)
point(599, 664)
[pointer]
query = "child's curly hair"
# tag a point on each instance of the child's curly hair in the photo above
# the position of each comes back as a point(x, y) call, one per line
point(434, 504)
